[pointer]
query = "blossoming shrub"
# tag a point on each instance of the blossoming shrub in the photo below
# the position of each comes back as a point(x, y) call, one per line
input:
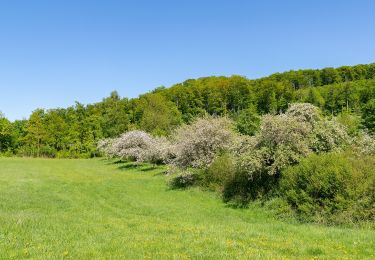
point(304, 112)
point(328, 135)
point(281, 141)
point(197, 144)
point(363, 144)
point(138, 146)
point(160, 151)
point(331, 188)
point(132, 145)
point(104, 147)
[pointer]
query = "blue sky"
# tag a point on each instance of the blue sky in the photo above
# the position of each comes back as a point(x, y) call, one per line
point(53, 53)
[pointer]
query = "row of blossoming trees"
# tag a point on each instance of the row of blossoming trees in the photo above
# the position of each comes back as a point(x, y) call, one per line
point(211, 153)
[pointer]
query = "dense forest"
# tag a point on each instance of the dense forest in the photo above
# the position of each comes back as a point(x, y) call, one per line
point(347, 93)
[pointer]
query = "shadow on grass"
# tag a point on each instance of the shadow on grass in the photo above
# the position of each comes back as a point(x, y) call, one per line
point(118, 162)
point(113, 161)
point(138, 166)
point(149, 168)
point(143, 167)
point(161, 173)
point(127, 166)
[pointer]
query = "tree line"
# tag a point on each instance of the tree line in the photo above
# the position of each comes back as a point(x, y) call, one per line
point(347, 92)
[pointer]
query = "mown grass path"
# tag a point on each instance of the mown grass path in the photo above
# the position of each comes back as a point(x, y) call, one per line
point(91, 209)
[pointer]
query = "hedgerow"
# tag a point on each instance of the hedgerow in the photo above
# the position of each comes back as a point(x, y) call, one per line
point(209, 152)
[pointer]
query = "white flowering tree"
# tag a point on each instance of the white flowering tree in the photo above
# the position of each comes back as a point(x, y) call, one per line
point(137, 146)
point(132, 145)
point(197, 144)
point(286, 138)
point(104, 146)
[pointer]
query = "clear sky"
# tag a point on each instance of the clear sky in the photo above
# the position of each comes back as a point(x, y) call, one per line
point(53, 53)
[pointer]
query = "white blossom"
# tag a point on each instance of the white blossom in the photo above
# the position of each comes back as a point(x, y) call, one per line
point(196, 145)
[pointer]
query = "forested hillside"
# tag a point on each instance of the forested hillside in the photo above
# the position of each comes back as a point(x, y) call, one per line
point(345, 92)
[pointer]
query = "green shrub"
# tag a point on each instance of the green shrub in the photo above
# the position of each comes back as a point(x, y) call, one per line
point(44, 151)
point(331, 188)
point(47, 151)
point(7, 153)
point(241, 189)
point(280, 208)
point(184, 179)
point(220, 172)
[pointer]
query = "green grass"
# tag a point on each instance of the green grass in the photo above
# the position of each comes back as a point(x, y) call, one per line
point(89, 209)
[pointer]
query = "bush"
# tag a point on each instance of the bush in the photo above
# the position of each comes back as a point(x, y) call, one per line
point(220, 172)
point(132, 145)
point(197, 145)
point(104, 147)
point(161, 151)
point(138, 146)
point(281, 141)
point(44, 151)
point(240, 189)
point(331, 188)
point(364, 144)
point(329, 135)
point(304, 112)
point(183, 179)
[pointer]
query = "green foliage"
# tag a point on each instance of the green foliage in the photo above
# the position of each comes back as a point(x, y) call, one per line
point(328, 135)
point(36, 132)
point(6, 134)
point(351, 121)
point(239, 189)
point(368, 115)
point(315, 98)
point(159, 116)
point(184, 179)
point(281, 141)
point(331, 188)
point(248, 121)
point(113, 114)
point(220, 172)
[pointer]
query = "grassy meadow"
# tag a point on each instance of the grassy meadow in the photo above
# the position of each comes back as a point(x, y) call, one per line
point(94, 209)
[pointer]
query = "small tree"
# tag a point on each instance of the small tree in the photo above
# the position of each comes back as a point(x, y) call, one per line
point(104, 146)
point(132, 145)
point(304, 112)
point(138, 146)
point(196, 145)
